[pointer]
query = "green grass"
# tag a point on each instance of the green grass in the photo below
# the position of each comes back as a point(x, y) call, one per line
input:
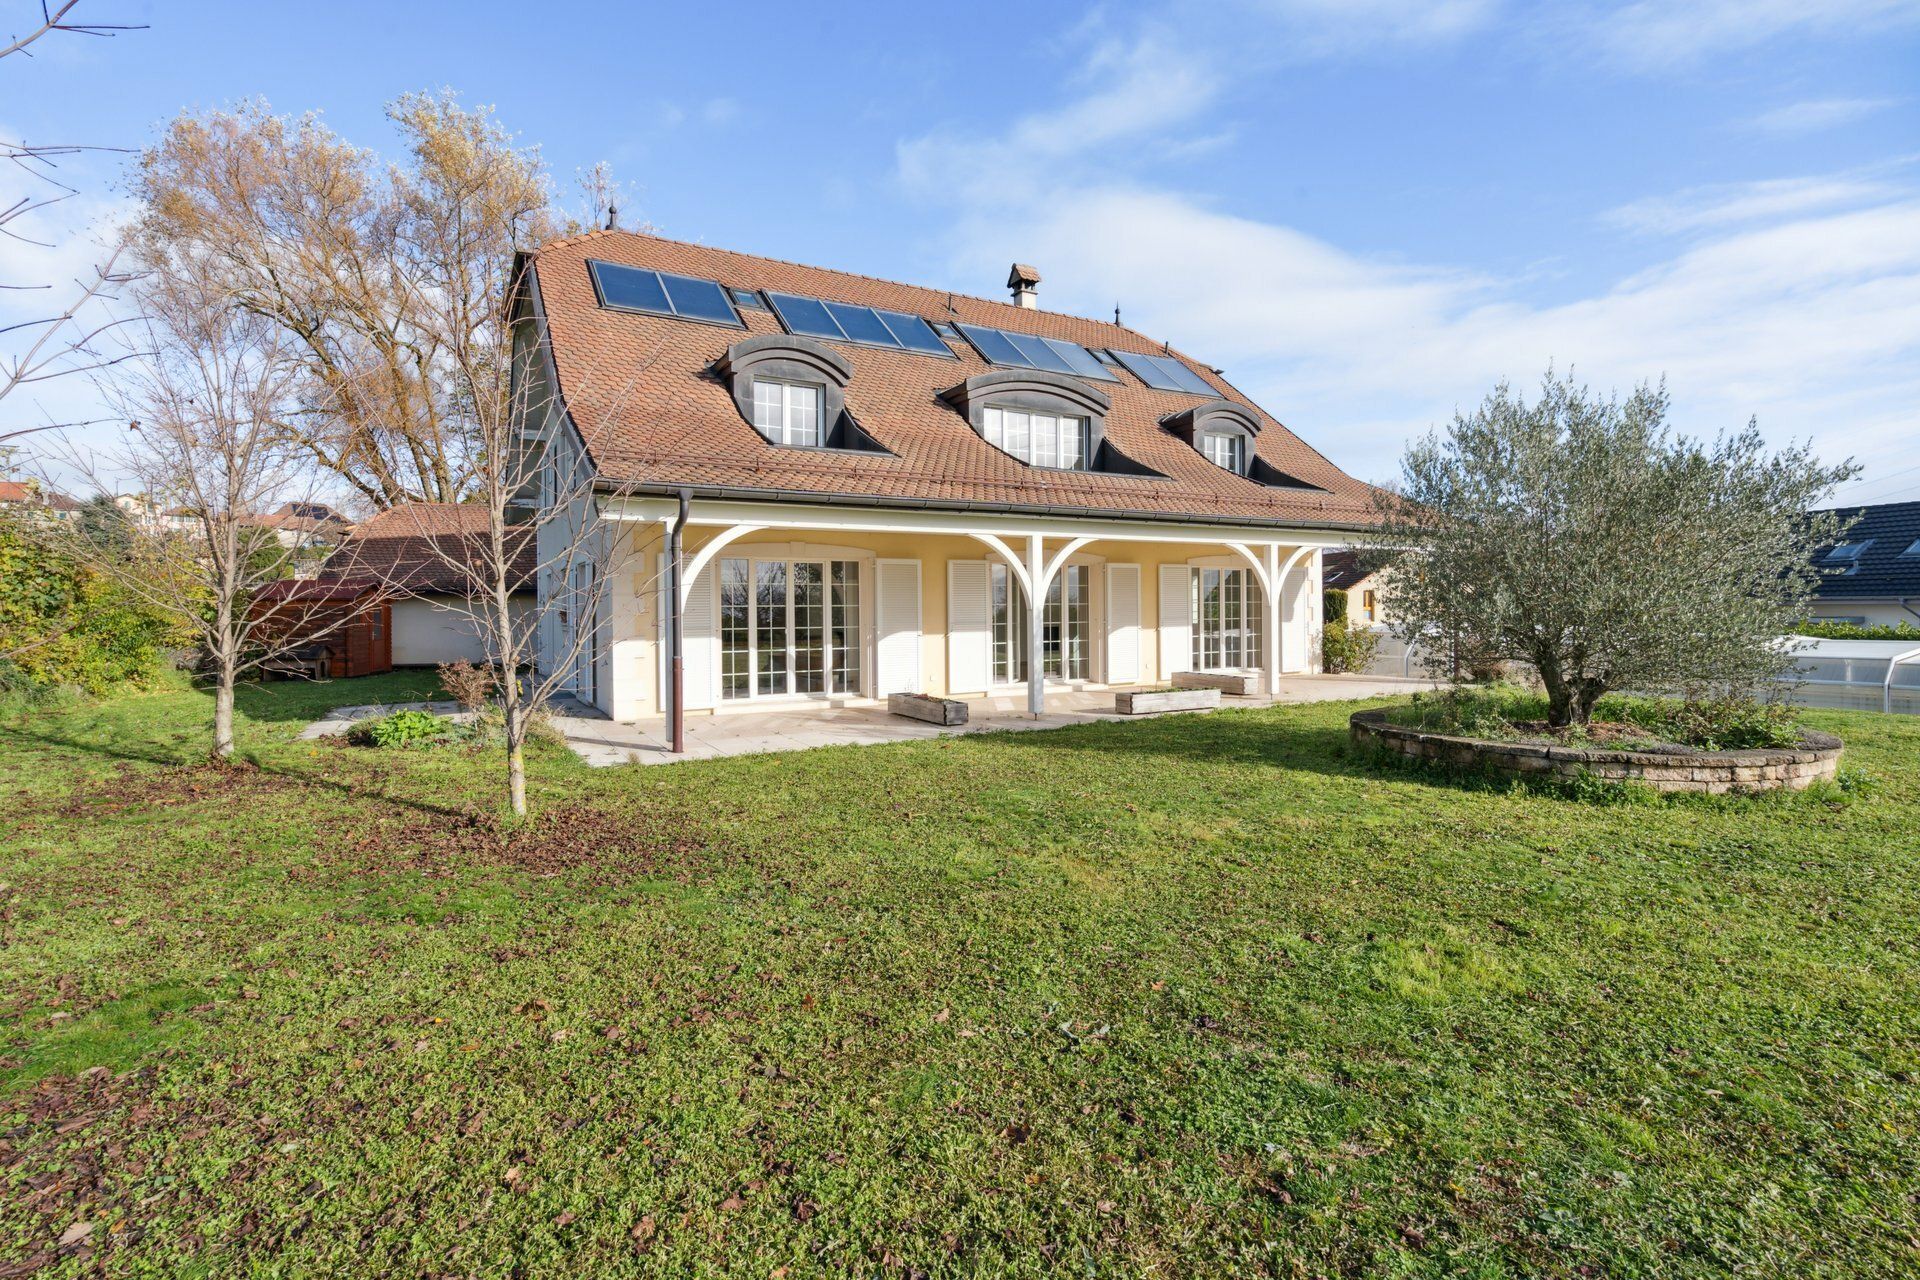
point(1196, 996)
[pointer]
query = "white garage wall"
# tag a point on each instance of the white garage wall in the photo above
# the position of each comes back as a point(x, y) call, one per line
point(427, 631)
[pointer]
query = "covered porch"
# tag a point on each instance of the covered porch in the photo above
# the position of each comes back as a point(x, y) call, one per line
point(601, 741)
point(796, 607)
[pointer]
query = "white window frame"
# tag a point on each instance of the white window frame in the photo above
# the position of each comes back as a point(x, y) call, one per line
point(829, 653)
point(1235, 450)
point(1036, 438)
point(791, 399)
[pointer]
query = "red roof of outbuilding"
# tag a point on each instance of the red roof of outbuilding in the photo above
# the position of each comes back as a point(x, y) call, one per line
point(420, 548)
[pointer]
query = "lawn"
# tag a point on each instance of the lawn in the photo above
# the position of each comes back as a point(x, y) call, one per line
point(1197, 996)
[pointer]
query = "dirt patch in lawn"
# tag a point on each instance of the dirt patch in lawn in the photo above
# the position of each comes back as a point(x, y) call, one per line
point(552, 841)
point(134, 787)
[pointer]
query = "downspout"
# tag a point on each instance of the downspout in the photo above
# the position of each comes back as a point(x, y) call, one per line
point(676, 629)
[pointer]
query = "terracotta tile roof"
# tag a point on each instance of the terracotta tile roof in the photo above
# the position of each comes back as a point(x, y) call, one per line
point(27, 491)
point(315, 590)
point(652, 411)
point(295, 517)
point(418, 549)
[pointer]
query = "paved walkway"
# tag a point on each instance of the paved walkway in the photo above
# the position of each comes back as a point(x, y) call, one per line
point(600, 741)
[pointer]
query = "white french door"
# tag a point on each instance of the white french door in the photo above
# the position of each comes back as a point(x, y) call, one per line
point(789, 627)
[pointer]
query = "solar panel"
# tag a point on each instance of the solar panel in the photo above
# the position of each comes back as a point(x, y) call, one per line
point(861, 325)
point(1164, 373)
point(637, 289)
point(1030, 351)
point(914, 333)
point(805, 315)
point(698, 299)
point(847, 322)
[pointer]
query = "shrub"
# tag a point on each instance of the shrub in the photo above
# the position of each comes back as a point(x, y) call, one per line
point(467, 684)
point(1497, 712)
point(1344, 647)
point(63, 625)
point(401, 729)
point(1853, 631)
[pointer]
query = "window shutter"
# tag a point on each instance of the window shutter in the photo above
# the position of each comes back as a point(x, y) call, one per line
point(1176, 635)
point(897, 627)
point(1123, 624)
point(702, 642)
point(969, 626)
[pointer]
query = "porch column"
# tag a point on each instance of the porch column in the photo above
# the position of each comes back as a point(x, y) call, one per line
point(1271, 630)
point(1036, 601)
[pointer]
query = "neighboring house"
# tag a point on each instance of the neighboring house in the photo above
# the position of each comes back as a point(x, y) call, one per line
point(31, 495)
point(1347, 570)
point(1872, 578)
point(893, 488)
point(416, 552)
point(298, 525)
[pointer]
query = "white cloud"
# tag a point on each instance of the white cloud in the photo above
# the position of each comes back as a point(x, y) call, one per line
point(1728, 204)
point(1662, 34)
point(1818, 114)
point(1812, 323)
point(1131, 89)
point(1334, 27)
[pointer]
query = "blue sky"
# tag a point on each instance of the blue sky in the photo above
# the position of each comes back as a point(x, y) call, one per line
point(1366, 211)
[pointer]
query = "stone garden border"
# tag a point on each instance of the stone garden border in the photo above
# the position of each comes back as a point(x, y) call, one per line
point(1719, 772)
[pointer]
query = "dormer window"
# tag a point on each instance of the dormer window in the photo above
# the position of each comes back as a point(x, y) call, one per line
point(793, 391)
point(787, 412)
point(1226, 449)
point(1038, 439)
point(1043, 418)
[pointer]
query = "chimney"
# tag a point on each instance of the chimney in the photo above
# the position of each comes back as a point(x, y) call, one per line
point(1024, 281)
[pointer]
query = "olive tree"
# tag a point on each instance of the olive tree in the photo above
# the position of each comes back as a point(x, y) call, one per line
point(1581, 536)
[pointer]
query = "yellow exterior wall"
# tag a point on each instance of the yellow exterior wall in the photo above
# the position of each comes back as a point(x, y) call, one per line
point(634, 662)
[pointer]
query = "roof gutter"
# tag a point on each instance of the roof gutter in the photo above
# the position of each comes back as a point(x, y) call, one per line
point(630, 490)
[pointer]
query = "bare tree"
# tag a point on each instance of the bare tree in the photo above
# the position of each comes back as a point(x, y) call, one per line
point(536, 523)
point(66, 342)
point(203, 456)
point(384, 280)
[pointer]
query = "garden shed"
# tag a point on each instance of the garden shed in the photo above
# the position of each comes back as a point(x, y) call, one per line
point(331, 627)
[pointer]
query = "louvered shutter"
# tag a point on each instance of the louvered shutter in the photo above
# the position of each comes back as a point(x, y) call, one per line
point(1123, 624)
point(969, 626)
point(897, 627)
point(1176, 623)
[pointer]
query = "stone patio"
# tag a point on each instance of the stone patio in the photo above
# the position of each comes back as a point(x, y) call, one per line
point(600, 741)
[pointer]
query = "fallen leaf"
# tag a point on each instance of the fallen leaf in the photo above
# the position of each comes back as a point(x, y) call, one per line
point(943, 1015)
point(75, 1234)
point(732, 1204)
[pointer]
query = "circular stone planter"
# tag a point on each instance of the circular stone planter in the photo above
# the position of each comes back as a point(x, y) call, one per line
point(1765, 769)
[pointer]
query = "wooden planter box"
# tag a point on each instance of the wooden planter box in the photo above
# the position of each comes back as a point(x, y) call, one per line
point(1142, 702)
point(920, 706)
point(1235, 685)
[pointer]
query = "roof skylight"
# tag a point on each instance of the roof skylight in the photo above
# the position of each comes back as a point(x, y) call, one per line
point(661, 293)
point(1029, 351)
point(845, 322)
point(1164, 373)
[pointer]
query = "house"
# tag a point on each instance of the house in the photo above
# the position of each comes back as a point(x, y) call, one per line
point(1348, 570)
point(1872, 576)
point(842, 487)
point(298, 525)
point(424, 555)
point(31, 495)
point(346, 625)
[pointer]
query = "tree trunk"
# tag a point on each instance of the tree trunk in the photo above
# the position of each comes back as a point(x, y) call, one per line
point(223, 714)
point(517, 780)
